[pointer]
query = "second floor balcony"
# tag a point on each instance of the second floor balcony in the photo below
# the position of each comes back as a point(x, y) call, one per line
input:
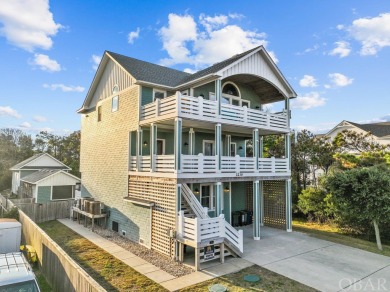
point(201, 109)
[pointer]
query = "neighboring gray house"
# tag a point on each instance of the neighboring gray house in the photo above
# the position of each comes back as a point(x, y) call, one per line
point(33, 164)
point(49, 185)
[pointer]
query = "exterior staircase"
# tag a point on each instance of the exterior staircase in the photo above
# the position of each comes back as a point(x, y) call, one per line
point(196, 225)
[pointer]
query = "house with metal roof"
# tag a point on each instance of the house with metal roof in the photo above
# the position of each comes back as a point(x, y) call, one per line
point(178, 158)
point(33, 164)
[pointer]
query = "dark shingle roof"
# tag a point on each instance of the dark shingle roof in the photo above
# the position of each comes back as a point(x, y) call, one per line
point(38, 175)
point(24, 162)
point(145, 71)
point(149, 72)
point(377, 129)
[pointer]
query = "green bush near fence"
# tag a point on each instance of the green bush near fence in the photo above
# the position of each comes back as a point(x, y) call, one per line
point(12, 213)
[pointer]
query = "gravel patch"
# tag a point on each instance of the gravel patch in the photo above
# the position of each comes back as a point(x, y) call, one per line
point(174, 268)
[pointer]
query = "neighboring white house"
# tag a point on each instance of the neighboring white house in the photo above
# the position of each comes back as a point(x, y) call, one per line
point(50, 184)
point(34, 164)
point(379, 131)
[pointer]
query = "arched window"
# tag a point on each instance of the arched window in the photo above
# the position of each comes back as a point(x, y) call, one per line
point(231, 89)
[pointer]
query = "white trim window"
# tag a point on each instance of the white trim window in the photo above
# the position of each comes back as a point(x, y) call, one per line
point(231, 95)
point(208, 147)
point(115, 103)
point(159, 94)
point(207, 196)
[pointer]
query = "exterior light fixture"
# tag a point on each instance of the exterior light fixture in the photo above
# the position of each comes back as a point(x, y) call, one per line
point(240, 148)
point(226, 190)
point(185, 144)
point(196, 191)
point(145, 143)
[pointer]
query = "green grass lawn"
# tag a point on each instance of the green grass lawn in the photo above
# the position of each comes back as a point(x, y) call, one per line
point(333, 234)
point(269, 281)
point(107, 270)
point(42, 283)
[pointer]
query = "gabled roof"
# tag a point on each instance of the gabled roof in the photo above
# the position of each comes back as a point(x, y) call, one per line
point(42, 174)
point(149, 72)
point(377, 129)
point(25, 163)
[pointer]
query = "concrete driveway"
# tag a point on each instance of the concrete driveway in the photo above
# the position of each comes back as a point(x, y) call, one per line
point(320, 264)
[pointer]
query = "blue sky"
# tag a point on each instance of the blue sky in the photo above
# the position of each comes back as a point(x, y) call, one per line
point(335, 54)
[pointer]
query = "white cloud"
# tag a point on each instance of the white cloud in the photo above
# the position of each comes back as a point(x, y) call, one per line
point(189, 70)
point(8, 111)
point(372, 33)
point(25, 125)
point(95, 61)
point(64, 88)
point(40, 119)
point(45, 63)
point(309, 50)
point(308, 81)
point(207, 42)
point(133, 35)
point(339, 80)
point(28, 24)
point(342, 49)
point(310, 100)
point(316, 129)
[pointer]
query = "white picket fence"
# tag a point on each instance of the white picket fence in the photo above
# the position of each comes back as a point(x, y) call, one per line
point(207, 110)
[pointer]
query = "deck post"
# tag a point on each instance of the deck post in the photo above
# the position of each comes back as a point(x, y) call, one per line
point(261, 146)
point(287, 140)
point(227, 147)
point(218, 95)
point(218, 146)
point(177, 148)
point(139, 149)
point(222, 252)
point(261, 203)
point(191, 142)
point(219, 199)
point(287, 108)
point(255, 139)
point(288, 206)
point(153, 146)
point(256, 210)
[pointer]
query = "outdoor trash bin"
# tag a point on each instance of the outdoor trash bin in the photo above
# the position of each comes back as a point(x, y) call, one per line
point(236, 216)
point(244, 216)
point(249, 219)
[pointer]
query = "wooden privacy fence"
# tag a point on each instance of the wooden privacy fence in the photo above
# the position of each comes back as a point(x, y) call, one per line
point(62, 273)
point(40, 212)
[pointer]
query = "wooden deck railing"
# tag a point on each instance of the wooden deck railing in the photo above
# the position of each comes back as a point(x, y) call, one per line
point(208, 164)
point(206, 110)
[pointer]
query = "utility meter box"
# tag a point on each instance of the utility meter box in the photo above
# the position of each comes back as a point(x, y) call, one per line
point(10, 235)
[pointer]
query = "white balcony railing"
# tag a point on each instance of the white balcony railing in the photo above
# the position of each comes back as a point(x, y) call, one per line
point(207, 110)
point(208, 164)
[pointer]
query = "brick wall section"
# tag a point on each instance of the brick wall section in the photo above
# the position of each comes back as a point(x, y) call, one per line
point(104, 163)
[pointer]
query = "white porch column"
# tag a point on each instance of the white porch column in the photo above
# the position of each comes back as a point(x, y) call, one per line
point(228, 142)
point(287, 140)
point(288, 206)
point(261, 203)
point(139, 148)
point(219, 199)
point(218, 94)
point(218, 145)
point(287, 108)
point(261, 146)
point(177, 148)
point(153, 146)
point(191, 142)
point(256, 210)
point(178, 209)
point(255, 141)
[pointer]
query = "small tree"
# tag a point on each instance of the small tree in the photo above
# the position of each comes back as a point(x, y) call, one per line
point(364, 194)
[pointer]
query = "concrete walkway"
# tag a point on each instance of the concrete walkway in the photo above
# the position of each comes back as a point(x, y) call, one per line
point(212, 269)
point(320, 264)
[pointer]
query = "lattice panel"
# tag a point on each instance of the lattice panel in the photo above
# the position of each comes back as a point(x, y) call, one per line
point(163, 193)
point(274, 204)
point(249, 195)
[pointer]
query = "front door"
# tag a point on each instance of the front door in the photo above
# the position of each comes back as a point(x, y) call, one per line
point(208, 148)
point(160, 147)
